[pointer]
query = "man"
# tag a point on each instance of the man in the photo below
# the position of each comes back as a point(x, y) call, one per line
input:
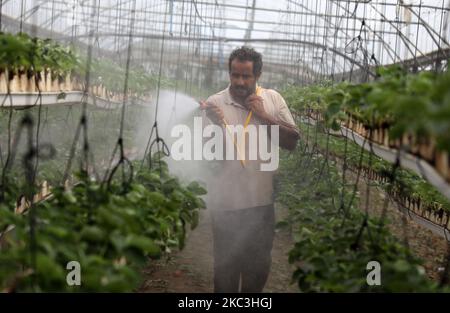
point(242, 197)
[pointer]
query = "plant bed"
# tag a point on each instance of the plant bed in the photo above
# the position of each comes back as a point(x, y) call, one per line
point(111, 232)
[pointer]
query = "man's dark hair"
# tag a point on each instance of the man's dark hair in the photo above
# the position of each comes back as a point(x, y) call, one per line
point(247, 54)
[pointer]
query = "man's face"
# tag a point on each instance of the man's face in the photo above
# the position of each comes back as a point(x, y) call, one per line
point(242, 79)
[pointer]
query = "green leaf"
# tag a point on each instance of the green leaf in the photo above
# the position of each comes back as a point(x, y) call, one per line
point(144, 244)
point(196, 189)
point(93, 234)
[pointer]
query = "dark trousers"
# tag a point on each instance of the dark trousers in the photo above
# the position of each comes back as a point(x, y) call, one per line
point(242, 248)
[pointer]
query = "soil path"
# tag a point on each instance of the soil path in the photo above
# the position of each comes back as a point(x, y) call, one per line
point(191, 270)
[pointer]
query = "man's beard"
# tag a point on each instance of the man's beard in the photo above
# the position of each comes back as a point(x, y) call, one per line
point(242, 93)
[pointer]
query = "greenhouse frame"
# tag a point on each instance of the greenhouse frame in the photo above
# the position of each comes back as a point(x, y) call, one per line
point(93, 95)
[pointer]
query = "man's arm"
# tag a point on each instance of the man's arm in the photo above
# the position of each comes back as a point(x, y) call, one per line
point(288, 133)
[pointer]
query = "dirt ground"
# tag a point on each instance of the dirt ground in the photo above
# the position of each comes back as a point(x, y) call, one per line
point(191, 270)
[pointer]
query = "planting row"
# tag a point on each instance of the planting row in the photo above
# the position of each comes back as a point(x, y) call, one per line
point(335, 241)
point(112, 231)
point(31, 64)
point(399, 110)
point(408, 189)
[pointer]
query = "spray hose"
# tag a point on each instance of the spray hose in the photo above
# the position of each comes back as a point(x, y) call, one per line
point(247, 121)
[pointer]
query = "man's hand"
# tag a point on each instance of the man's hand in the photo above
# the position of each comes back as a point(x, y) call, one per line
point(213, 112)
point(288, 133)
point(255, 104)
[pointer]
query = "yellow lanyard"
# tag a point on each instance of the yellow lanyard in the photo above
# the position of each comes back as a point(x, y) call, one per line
point(247, 121)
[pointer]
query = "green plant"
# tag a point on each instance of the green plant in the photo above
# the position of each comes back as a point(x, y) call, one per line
point(110, 231)
point(332, 245)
